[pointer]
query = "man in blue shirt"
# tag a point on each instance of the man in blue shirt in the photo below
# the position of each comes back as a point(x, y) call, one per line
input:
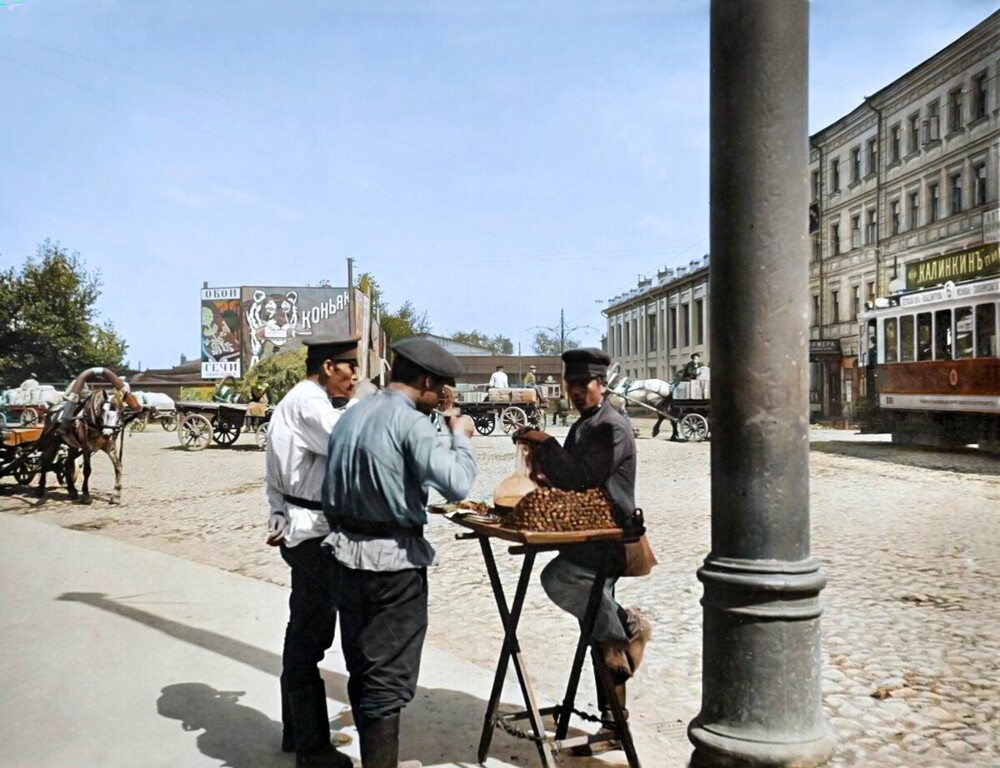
point(382, 458)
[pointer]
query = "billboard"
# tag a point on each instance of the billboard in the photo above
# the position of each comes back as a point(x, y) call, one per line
point(221, 332)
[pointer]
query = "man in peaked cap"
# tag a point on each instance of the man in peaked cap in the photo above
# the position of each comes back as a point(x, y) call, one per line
point(383, 456)
point(295, 464)
point(599, 452)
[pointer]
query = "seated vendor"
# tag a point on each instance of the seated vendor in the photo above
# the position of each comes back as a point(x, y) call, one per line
point(599, 452)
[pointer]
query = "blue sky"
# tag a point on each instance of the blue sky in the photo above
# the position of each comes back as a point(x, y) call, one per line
point(491, 162)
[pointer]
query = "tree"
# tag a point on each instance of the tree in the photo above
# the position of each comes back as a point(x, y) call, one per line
point(401, 324)
point(278, 372)
point(48, 323)
point(552, 344)
point(499, 345)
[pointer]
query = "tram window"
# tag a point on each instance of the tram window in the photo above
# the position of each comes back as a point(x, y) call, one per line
point(986, 330)
point(924, 344)
point(963, 332)
point(906, 336)
point(942, 334)
point(891, 342)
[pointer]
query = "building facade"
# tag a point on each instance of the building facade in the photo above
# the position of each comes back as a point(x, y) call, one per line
point(653, 330)
point(910, 174)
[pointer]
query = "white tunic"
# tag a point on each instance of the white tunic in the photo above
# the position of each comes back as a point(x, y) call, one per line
point(498, 380)
point(295, 458)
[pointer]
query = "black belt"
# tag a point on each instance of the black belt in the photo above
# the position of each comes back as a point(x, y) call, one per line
point(304, 503)
point(374, 528)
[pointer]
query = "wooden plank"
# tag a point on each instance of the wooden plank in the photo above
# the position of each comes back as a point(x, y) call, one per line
point(538, 537)
point(22, 435)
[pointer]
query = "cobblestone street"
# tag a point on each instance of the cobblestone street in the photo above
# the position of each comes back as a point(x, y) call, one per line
point(909, 540)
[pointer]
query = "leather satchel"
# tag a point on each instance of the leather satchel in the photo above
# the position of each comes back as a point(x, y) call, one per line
point(639, 557)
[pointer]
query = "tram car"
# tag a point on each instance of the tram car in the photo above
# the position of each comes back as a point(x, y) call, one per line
point(930, 366)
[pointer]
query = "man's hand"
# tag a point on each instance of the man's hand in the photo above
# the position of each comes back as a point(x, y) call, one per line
point(531, 435)
point(277, 523)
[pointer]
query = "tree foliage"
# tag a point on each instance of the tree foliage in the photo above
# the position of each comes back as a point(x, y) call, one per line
point(499, 345)
point(401, 324)
point(551, 344)
point(49, 326)
point(279, 373)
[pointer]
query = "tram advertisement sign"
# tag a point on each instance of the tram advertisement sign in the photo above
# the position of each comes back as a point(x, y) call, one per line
point(221, 332)
point(981, 261)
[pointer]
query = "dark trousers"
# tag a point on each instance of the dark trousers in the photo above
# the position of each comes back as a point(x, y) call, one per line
point(312, 615)
point(383, 622)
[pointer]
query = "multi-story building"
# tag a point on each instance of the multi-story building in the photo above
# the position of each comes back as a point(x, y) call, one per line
point(910, 174)
point(655, 328)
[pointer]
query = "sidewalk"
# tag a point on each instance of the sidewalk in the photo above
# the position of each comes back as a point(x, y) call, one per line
point(121, 656)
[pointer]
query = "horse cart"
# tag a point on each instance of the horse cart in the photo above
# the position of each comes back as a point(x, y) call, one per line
point(199, 423)
point(684, 402)
point(28, 404)
point(156, 407)
point(21, 455)
point(690, 407)
point(510, 408)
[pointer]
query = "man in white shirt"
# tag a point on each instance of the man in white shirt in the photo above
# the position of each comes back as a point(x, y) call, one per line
point(499, 379)
point(295, 465)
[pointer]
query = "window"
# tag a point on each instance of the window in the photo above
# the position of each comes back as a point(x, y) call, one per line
point(925, 346)
point(932, 128)
point(672, 330)
point(956, 193)
point(872, 156)
point(816, 319)
point(963, 332)
point(896, 142)
point(870, 293)
point(906, 352)
point(934, 193)
point(856, 231)
point(857, 300)
point(815, 185)
point(955, 110)
point(699, 325)
point(835, 306)
point(891, 341)
point(817, 246)
point(942, 334)
point(986, 330)
point(979, 172)
point(913, 129)
point(871, 227)
point(835, 175)
point(651, 333)
point(835, 239)
point(856, 165)
point(979, 96)
point(914, 210)
point(627, 343)
point(686, 324)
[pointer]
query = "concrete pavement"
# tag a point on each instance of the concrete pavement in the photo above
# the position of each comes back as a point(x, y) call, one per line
point(120, 656)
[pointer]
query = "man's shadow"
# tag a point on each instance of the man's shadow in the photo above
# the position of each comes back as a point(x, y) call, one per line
point(244, 737)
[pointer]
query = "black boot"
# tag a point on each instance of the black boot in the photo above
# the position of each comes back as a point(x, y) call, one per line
point(611, 738)
point(287, 729)
point(311, 728)
point(380, 744)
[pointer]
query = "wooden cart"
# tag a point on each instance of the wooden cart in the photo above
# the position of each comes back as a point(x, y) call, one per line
point(198, 424)
point(510, 408)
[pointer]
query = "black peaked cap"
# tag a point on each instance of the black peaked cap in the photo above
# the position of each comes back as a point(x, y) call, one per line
point(585, 363)
point(338, 349)
point(432, 358)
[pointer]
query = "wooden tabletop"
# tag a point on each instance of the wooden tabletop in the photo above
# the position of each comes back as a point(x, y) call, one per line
point(548, 538)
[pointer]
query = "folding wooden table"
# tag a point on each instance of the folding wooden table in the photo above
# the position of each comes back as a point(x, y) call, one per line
point(530, 543)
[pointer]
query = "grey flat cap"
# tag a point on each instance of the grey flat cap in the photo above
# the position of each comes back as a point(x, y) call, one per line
point(425, 354)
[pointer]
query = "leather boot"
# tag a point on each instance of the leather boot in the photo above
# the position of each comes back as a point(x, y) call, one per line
point(380, 744)
point(609, 729)
point(311, 726)
point(640, 631)
point(616, 659)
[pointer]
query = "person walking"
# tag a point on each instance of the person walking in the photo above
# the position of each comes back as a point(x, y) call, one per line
point(295, 464)
point(383, 457)
point(599, 452)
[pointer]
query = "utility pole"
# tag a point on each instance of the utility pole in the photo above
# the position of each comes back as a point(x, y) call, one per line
point(561, 330)
point(351, 320)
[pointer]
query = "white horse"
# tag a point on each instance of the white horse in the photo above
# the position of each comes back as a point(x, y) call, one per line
point(654, 393)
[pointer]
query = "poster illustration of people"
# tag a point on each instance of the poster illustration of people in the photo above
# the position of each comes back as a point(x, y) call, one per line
point(220, 332)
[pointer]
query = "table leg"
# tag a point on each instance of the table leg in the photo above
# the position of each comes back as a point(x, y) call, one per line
point(512, 650)
point(605, 681)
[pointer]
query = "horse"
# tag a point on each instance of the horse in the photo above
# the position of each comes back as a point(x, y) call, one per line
point(657, 394)
point(87, 423)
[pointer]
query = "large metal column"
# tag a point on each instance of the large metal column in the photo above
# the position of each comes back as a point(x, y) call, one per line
point(761, 642)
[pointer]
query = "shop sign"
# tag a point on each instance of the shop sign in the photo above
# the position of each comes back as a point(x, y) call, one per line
point(824, 346)
point(981, 261)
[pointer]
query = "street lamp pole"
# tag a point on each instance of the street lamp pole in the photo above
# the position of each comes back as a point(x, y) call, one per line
point(562, 331)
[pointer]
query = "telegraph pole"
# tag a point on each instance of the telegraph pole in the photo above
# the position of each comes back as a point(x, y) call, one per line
point(351, 320)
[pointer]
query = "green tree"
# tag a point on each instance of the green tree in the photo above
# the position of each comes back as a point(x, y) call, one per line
point(48, 324)
point(401, 324)
point(279, 373)
point(552, 343)
point(499, 345)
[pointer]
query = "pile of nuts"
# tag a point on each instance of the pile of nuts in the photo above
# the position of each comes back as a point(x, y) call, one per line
point(550, 509)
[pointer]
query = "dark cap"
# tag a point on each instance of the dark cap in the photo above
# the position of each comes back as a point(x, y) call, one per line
point(585, 363)
point(427, 355)
point(342, 349)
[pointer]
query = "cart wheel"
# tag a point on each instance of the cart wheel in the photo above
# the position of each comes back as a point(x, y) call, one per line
point(139, 425)
point(693, 427)
point(539, 418)
point(29, 417)
point(169, 422)
point(27, 469)
point(512, 419)
point(62, 469)
point(260, 436)
point(195, 432)
point(485, 424)
point(226, 432)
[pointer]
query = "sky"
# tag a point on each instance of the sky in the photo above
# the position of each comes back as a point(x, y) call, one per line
point(494, 163)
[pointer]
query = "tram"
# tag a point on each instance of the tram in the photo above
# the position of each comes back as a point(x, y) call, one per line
point(931, 366)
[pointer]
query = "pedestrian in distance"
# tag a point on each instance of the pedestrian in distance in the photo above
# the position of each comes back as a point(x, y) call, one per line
point(498, 379)
point(295, 464)
point(383, 457)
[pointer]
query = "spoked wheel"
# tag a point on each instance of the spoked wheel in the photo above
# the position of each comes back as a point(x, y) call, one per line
point(29, 417)
point(226, 432)
point(169, 422)
point(195, 432)
point(27, 469)
point(260, 436)
point(693, 427)
point(512, 419)
point(485, 424)
point(139, 425)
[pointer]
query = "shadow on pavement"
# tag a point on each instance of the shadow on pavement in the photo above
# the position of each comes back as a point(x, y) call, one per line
point(966, 461)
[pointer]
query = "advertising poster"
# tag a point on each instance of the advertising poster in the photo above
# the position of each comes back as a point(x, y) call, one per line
point(220, 333)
